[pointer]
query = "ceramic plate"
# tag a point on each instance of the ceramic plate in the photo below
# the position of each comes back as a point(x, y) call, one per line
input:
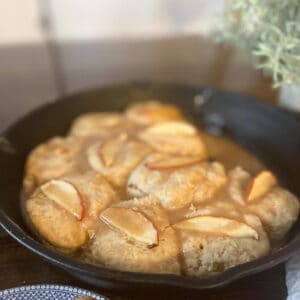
point(47, 292)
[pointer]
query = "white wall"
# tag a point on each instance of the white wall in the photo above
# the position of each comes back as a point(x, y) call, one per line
point(77, 19)
point(81, 29)
point(98, 19)
point(26, 79)
point(19, 22)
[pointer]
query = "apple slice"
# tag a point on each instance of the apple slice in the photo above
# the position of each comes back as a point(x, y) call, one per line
point(66, 195)
point(173, 163)
point(260, 185)
point(132, 223)
point(218, 225)
point(109, 149)
point(105, 154)
point(171, 127)
point(94, 157)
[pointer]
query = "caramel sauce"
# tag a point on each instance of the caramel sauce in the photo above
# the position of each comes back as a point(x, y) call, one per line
point(231, 154)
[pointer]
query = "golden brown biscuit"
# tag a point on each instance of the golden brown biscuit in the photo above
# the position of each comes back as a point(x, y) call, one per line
point(54, 224)
point(277, 208)
point(65, 211)
point(212, 242)
point(174, 137)
point(141, 242)
point(115, 158)
point(149, 112)
point(278, 211)
point(102, 124)
point(176, 181)
point(57, 157)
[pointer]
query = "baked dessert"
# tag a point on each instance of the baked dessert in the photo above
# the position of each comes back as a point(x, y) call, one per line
point(52, 159)
point(174, 137)
point(177, 181)
point(135, 236)
point(116, 157)
point(97, 124)
point(139, 191)
point(212, 244)
point(218, 234)
point(65, 211)
point(277, 208)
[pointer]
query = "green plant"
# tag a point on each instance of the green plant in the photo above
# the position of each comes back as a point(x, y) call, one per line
point(270, 30)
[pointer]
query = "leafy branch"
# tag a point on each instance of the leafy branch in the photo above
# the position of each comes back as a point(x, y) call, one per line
point(270, 30)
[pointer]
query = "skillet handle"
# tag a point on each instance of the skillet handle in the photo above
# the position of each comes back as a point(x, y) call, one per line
point(269, 132)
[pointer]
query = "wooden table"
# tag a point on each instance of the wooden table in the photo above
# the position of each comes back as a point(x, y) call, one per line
point(81, 65)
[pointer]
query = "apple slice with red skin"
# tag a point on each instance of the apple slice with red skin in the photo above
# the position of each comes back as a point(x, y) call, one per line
point(106, 153)
point(66, 195)
point(175, 162)
point(218, 225)
point(109, 149)
point(132, 223)
point(260, 185)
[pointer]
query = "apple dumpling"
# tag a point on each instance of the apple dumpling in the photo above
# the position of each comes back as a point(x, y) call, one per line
point(211, 244)
point(65, 211)
point(174, 137)
point(101, 125)
point(135, 236)
point(146, 113)
point(116, 157)
point(176, 181)
point(277, 208)
point(55, 158)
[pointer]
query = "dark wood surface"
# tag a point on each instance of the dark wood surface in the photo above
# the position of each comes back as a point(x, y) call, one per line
point(188, 60)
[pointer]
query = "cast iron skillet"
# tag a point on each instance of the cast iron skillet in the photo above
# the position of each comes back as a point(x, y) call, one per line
point(273, 135)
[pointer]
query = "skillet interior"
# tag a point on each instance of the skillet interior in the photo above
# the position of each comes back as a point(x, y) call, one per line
point(271, 134)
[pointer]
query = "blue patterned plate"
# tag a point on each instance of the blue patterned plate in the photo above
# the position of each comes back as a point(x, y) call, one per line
point(47, 292)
